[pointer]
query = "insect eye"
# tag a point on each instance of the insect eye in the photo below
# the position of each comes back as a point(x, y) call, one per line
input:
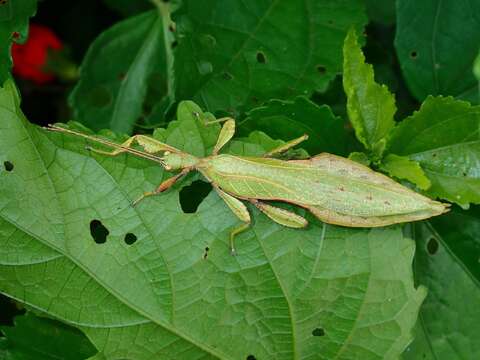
point(167, 153)
point(168, 168)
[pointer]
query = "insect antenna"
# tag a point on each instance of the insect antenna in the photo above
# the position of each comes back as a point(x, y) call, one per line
point(108, 143)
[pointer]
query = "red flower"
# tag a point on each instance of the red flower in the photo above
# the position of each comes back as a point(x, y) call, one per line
point(30, 59)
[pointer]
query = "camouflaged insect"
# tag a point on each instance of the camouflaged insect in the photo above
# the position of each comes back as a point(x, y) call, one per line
point(334, 189)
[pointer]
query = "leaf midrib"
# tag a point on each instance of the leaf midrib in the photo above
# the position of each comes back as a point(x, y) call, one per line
point(116, 123)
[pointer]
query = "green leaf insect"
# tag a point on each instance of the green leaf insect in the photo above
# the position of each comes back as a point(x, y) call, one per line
point(334, 189)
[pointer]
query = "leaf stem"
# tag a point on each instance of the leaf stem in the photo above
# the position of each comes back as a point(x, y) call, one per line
point(164, 10)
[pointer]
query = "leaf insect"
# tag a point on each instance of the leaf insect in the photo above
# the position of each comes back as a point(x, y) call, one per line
point(334, 189)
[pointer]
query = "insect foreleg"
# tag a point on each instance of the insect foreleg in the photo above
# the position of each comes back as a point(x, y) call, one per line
point(240, 210)
point(163, 186)
point(206, 122)
point(281, 216)
point(286, 146)
point(149, 144)
point(227, 132)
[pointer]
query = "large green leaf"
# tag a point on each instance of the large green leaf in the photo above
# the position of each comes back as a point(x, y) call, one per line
point(123, 68)
point(370, 106)
point(232, 54)
point(36, 338)
point(443, 137)
point(447, 262)
point(436, 42)
point(14, 18)
point(290, 119)
point(322, 293)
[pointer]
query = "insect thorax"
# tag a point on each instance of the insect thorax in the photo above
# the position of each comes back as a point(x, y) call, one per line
point(176, 161)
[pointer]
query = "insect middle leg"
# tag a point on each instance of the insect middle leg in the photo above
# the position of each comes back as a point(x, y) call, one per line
point(282, 148)
point(281, 216)
point(163, 186)
point(240, 210)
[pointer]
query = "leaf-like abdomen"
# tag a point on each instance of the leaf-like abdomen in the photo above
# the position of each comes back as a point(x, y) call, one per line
point(328, 181)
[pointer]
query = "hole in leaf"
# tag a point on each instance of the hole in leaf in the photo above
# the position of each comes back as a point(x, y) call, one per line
point(174, 44)
point(205, 67)
point(251, 357)
point(261, 59)
point(171, 28)
point(205, 254)
point(8, 166)
point(130, 239)
point(98, 231)
point(322, 70)
point(15, 35)
point(318, 332)
point(413, 54)
point(432, 246)
point(3, 2)
point(192, 196)
point(207, 41)
point(227, 76)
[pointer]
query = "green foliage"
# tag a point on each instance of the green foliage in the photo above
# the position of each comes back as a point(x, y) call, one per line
point(437, 149)
point(37, 338)
point(284, 294)
point(114, 94)
point(370, 106)
point(163, 284)
point(14, 18)
point(291, 119)
point(443, 138)
point(436, 42)
point(225, 63)
point(402, 167)
point(269, 49)
point(447, 263)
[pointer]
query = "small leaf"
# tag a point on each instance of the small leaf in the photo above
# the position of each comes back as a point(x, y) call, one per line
point(37, 338)
point(448, 252)
point(438, 62)
point(402, 167)
point(443, 138)
point(14, 18)
point(122, 67)
point(288, 120)
point(370, 106)
point(269, 49)
point(360, 158)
